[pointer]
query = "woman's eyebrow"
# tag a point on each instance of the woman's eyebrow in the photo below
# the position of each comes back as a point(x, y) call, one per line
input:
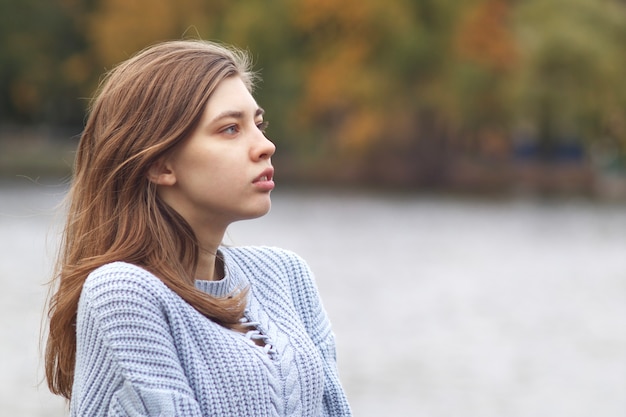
point(236, 114)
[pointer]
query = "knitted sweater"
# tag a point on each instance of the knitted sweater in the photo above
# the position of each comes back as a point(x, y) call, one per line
point(143, 351)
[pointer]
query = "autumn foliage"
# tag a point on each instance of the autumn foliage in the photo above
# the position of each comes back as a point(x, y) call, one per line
point(404, 85)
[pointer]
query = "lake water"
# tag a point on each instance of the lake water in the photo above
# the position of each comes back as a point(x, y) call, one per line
point(442, 307)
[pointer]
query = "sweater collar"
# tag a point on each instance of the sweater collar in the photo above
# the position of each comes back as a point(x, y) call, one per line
point(232, 278)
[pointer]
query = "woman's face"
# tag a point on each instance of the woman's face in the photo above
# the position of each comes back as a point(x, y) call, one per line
point(221, 173)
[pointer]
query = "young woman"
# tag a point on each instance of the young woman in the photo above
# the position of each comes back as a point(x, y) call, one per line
point(151, 315)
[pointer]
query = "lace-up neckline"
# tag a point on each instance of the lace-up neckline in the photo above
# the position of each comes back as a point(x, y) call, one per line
point(255, 337)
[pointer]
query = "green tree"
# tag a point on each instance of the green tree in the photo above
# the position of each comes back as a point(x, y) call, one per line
point(572, 79)
point(40, 76)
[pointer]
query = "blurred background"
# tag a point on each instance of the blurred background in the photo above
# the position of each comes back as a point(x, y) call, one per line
point(454, 172)
point(478, 96)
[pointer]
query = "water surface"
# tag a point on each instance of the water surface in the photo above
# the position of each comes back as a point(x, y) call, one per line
point(442, 307)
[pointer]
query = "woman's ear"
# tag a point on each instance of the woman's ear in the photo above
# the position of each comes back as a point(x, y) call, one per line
point(160, 173)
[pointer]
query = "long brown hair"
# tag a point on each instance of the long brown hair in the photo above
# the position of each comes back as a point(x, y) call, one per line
point(145, 107)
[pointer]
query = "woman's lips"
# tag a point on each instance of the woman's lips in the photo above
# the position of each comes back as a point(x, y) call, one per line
point(265, 181)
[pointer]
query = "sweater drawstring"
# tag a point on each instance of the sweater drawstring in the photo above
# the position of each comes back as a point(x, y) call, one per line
point(255, 334)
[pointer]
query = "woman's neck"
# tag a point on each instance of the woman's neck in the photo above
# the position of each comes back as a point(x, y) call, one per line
point(210, 266)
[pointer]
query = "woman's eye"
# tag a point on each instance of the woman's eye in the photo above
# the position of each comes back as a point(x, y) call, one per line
point(230, 130)
point(263, 126)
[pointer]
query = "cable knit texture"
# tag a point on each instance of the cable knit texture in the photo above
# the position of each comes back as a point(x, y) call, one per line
point(143, 351)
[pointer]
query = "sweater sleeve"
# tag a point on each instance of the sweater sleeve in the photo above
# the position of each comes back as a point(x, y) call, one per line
point(317, 323)
point(126, 361)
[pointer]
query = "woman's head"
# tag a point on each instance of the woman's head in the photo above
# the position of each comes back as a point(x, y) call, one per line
point(145, 107)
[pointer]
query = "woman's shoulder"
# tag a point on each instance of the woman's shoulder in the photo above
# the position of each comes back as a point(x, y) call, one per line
point(119, 272)
point(271, 265)
point(269, 256)
point(123, 280)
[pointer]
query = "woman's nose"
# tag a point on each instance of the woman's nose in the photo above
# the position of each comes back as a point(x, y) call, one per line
point(264, 148)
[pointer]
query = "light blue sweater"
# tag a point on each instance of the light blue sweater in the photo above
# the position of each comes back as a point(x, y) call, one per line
point(143, 351)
